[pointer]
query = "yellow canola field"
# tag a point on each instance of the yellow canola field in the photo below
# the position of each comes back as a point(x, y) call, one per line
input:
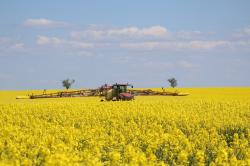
point(211, 126)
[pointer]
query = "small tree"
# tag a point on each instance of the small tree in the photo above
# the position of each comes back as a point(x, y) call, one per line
point(173, 82)
point(67, 83)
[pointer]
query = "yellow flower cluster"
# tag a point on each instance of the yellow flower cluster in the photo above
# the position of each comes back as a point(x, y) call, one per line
point(209, 127)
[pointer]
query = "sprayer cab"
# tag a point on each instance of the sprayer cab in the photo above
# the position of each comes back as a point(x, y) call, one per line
point(119, 92)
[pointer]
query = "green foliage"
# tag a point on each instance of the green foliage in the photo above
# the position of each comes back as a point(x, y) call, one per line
point(173, 82)
point(67, 83)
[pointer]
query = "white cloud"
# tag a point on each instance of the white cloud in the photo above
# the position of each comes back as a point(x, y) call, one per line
point(141, 45)
point(44, 40)
point(58, 42)
point(9, 45)
point(176, 45)
point(131, 32)
point(89, 34)
point(242, 33)
point(207, 44)
point(123, 31)
point(156, 31)
point(244, 43)
point(246, 30)
point(43, 22)
point(17, 46)
point(145, 38)
point(80, 44)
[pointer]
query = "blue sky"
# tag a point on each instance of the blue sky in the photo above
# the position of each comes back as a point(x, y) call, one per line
point(200, 43)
